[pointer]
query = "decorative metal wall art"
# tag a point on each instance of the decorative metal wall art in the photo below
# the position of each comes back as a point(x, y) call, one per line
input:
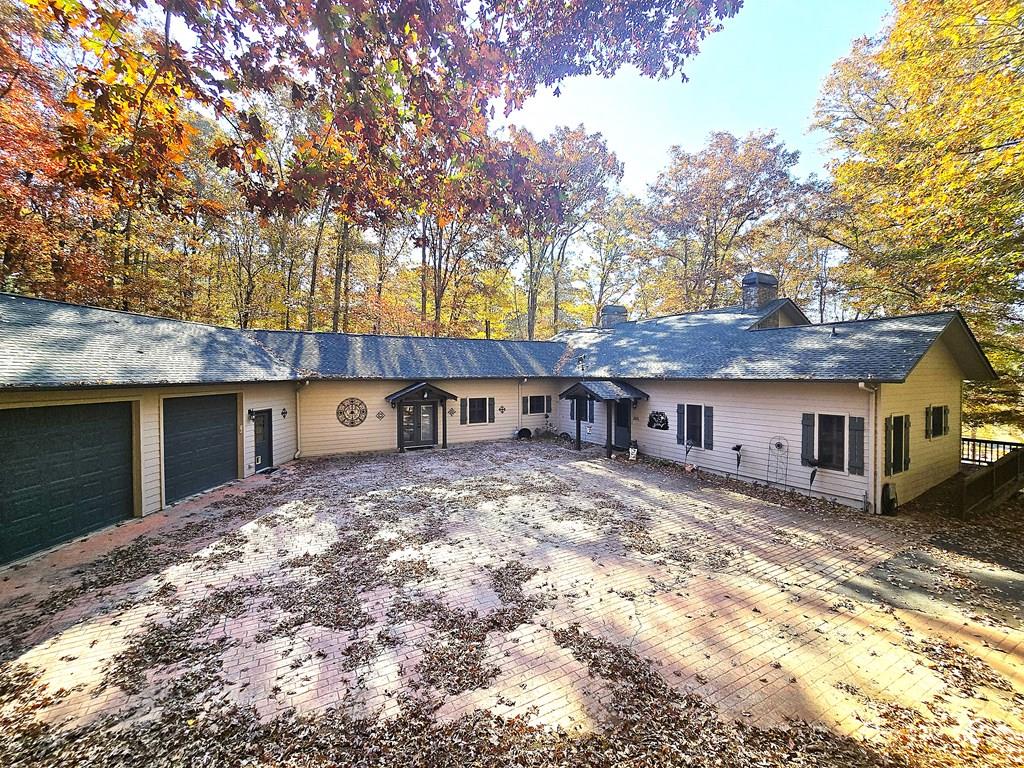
point(657, 420)
point(351, 412)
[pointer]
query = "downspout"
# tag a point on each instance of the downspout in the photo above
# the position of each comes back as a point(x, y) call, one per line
point(298, 418)
point(873, 466)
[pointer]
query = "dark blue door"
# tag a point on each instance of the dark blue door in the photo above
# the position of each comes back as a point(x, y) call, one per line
point(200, 444)
point(64, 471)
point(263, 437)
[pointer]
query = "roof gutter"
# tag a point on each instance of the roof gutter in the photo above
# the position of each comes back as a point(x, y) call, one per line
point(872, 390)
point(298, 417)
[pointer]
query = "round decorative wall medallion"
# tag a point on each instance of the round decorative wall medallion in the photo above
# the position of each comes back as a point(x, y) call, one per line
point(351, 412)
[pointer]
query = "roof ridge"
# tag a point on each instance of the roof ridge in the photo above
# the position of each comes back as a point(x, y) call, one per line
point(397, 336)
point(830, 323)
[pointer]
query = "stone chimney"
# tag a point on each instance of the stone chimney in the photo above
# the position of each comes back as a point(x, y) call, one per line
point(612, 314)
point(759, 288)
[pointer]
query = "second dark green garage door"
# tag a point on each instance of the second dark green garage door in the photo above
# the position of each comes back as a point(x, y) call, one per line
point(200, 444)
point(64, 471)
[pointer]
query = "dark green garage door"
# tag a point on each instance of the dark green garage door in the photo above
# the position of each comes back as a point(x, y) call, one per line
point(64, 470)
point(200, 444)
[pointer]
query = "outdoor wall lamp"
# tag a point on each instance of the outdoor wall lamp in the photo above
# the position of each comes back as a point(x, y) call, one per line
point(284, 413)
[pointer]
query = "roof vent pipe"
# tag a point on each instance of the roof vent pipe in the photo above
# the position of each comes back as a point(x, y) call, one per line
point(612, 314)
point(759, 288)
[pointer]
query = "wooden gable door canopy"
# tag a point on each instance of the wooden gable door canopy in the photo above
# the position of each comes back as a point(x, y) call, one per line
point(426, 393)
point(606, 391)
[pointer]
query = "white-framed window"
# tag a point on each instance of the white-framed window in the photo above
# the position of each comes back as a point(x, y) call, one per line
point(695, 425)
point(831, 441)
point(477, 410)
point(587, 412)
point(535, 404)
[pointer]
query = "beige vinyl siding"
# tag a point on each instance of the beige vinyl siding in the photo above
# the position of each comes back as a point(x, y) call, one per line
point(322, 434)
point(751, 414)
point(150, 400)
point(597, 430)
point(936, 380)
point(275, 397)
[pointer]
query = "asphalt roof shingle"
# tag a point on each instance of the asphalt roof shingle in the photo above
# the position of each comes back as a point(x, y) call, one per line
point(51, 344)
point(718, 344)
point(48, 344)
point(355, 356)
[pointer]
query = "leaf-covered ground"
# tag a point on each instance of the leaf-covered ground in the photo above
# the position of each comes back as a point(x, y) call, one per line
point(514, 604)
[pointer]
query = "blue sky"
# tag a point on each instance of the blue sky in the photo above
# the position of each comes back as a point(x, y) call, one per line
point(763, 71)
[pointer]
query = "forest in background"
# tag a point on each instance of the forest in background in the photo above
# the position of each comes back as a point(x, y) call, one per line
point(338, 169)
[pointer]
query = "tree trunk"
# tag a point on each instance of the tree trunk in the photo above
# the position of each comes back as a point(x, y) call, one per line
point(311, 303)
point(340, 269)
point(423, 274)
point(347, 291)
point(126, 278)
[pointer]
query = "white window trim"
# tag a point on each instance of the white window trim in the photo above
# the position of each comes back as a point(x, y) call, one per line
point(469, 413)
point(544, 404)
point(846, 441)
point(686, 424)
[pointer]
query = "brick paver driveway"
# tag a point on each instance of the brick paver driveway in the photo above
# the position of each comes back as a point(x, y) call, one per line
point(510, 603)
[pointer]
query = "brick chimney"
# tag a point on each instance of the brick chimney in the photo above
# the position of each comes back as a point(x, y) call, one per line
point(759, 288)
point(612, 314)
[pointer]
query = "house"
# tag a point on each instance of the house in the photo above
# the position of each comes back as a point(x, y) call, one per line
point(106, 415)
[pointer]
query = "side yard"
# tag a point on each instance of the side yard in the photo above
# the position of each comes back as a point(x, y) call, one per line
point(516, 604)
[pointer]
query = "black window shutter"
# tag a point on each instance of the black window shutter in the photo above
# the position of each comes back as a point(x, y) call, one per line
point(590, 411)
point(928, 423)
point(709, 428)
point(490, 409)
point(945, 419)
point(806, 439)
point(906, 442)
point(681, 424)
point(856, 445)
point(888, 445)
point(463, 410)
point(526, 406)
point(572, 409)
point(547, 404)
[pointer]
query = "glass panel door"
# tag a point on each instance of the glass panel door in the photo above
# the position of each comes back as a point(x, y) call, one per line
point(410, 433)
point(426, 424)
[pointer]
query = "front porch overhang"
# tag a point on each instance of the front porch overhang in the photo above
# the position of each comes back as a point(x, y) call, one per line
point(607, 391)
point(604, 390)
point(421, 390)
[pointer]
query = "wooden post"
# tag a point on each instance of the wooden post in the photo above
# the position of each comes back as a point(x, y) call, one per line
point(579, 445)
point(608, 434)
point(398, 415)
point(444, 423)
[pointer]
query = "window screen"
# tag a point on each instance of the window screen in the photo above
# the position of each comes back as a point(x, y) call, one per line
point(477, 410)
point(695, 425)
point(831, 446)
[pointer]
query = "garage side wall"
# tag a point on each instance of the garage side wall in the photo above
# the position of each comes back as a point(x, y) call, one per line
point(149, 460)
point(321, 433)
point(935, 382)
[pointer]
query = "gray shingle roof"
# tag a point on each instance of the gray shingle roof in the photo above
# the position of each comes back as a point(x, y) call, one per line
point(603, 389)
point(717, 344)
point(353, 356)
point(51, 344)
